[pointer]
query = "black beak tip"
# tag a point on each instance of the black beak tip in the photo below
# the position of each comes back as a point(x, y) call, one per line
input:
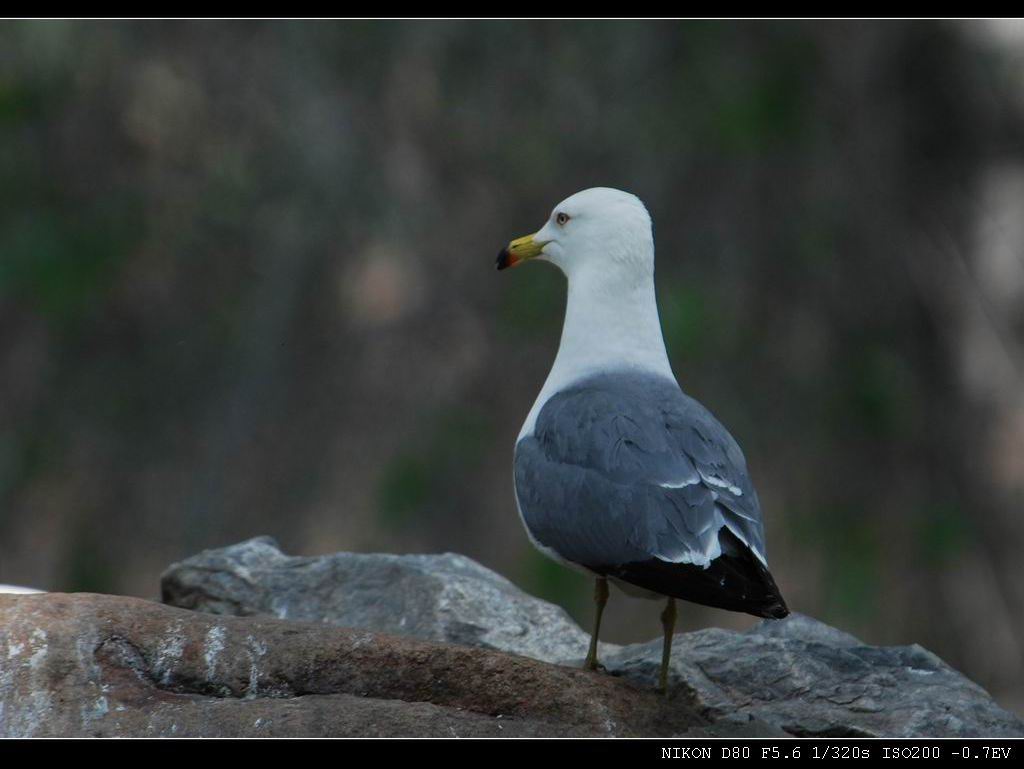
point(503, 259)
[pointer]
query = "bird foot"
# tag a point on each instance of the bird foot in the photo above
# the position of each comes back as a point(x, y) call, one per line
point(663, 684)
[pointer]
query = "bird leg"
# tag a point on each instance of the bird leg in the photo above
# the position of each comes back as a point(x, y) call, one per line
point(600, 599)
point(668, 624)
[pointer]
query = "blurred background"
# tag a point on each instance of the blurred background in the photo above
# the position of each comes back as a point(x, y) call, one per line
point(247, 287)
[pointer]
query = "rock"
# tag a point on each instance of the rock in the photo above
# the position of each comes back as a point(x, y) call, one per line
point(381, 645)
point(795, 676)
point(447, 598)
point(93, 665)
point(18, 589)
point(809, 680)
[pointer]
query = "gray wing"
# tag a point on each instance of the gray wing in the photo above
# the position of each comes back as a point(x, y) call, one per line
point(623, 469)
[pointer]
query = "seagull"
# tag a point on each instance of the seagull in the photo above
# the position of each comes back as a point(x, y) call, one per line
point(618, 473)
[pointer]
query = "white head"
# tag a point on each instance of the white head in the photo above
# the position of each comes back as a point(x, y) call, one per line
point(601, 239)
point(600, 230)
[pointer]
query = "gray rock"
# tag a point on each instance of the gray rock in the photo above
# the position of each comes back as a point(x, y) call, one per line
point(808, 679)
point(447, 598)
point(795, 676)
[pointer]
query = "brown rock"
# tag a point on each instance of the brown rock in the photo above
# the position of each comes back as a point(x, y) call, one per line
point(95, 665)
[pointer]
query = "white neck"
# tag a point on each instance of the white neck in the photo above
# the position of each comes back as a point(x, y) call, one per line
point(611, 323)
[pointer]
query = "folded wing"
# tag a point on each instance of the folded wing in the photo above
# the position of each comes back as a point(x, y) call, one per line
point(631, 478)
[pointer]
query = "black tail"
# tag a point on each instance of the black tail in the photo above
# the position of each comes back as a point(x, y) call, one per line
point(736, 580)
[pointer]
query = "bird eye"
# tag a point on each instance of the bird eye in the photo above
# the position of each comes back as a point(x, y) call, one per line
point(562, 218)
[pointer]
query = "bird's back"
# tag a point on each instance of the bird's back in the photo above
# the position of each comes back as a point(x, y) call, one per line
point(628, 477)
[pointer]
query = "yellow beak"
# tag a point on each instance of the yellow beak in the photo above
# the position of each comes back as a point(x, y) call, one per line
point(518, 251)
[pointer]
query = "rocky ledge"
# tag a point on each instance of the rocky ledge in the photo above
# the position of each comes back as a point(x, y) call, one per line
point(252, 642)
